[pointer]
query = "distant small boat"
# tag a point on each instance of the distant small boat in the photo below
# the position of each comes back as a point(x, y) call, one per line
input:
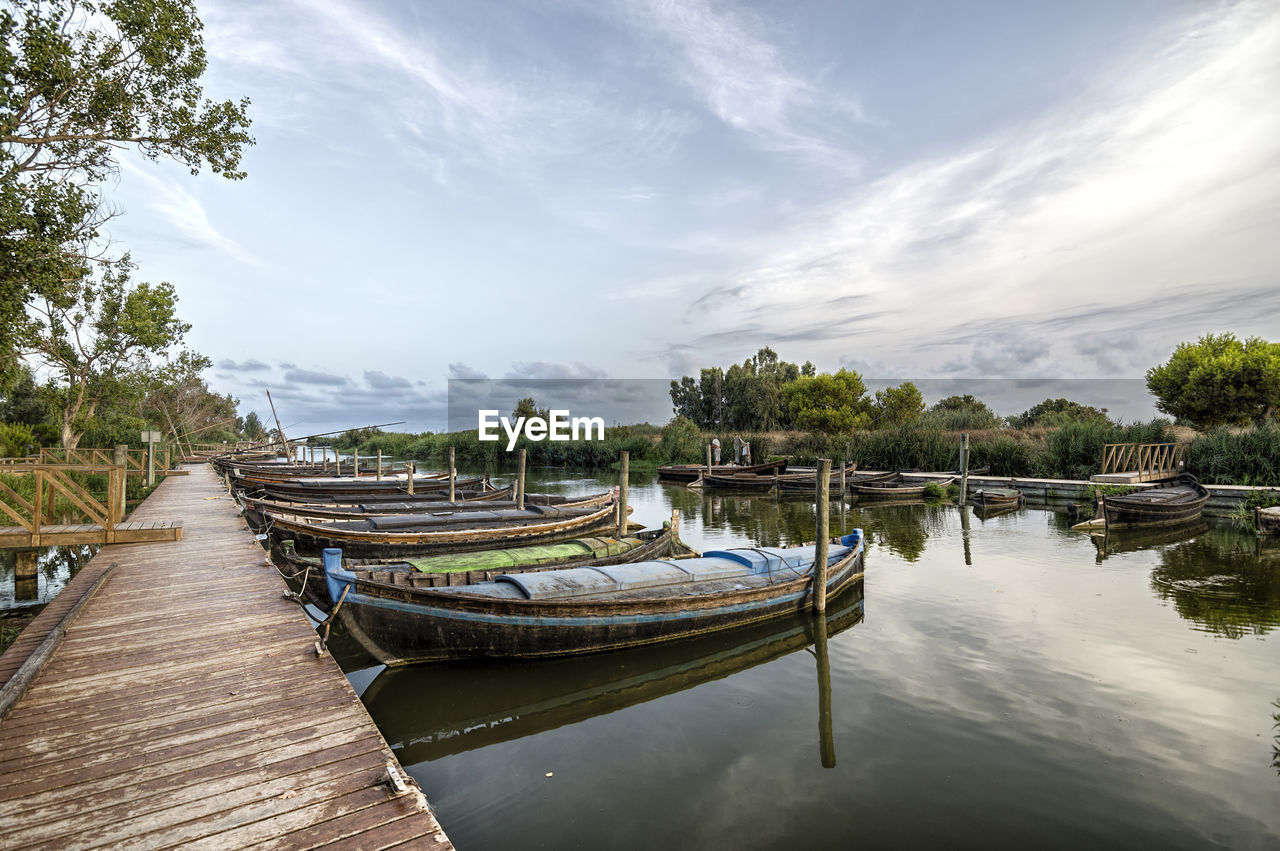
point(690, 472)
point(992, 497)
point(585, 610)
point(1181, 500)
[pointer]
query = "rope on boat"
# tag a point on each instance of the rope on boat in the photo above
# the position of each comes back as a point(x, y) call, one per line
point(322, 644)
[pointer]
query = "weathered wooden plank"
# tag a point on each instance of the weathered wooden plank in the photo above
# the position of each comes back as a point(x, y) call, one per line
point(184, 699)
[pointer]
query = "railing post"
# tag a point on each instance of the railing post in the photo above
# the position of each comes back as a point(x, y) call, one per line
point(121, 461)
point(452, 476)
point(37, 504)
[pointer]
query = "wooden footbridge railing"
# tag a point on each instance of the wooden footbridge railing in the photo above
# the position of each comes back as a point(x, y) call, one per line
point(105, 525)
point(1141, 462)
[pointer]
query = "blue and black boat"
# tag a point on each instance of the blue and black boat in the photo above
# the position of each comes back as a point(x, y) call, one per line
point(584, 609)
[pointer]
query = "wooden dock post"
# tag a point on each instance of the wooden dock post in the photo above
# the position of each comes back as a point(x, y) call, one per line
point(337, 462)
point(708, 459)
point(379, 464)
point(453, 477)
point(964, 468)
point(355, 462)
point(624, 463)
point(408, 467)
point(826, 739)
point(167, 465)
point(121, 459)
point(520, 483)
point(822, 493)
point(25, 564)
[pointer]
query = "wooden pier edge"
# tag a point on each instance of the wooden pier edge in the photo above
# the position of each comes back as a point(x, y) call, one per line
point(186, 705)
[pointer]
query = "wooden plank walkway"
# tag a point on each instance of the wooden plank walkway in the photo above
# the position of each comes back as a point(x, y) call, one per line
point(186, 706)
point(79, 534)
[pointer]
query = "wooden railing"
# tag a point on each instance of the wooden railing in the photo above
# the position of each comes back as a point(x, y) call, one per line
point(54, 479)
point(135, 459)
point(1151, 460)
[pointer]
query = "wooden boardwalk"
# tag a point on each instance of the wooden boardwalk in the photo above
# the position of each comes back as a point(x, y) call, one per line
point(186, 706)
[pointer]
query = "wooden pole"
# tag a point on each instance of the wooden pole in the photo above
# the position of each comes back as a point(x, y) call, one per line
point(624, 463)
point(520, 483)
point(409, 469)
point(167, 466)
point(151, 463)
point(708, 459)
point(121, 459)
point(452, 476)
point(379, 465)
point(823, 496)
point(964, 468)
point(826, 739)
point(337, 462)
point(355, 461)
point(284, 444)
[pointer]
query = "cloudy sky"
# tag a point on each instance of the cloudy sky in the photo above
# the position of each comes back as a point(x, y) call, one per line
point(638, 189)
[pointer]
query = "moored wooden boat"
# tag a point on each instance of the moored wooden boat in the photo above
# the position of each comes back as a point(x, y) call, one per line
point(485, 565)
point(350, 486)
point(690, 472)
point(501, 702)
point(256, 508)
point(992, 497)
point(1177, 502)
point(894, 488)
point(584, 610)
point(758, 482)
point(807, 482)
point(402, 536)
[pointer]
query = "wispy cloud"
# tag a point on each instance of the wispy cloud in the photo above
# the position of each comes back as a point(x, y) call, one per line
point(1156, 178)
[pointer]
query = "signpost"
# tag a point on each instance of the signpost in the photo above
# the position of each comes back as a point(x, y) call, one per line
point(151, 438)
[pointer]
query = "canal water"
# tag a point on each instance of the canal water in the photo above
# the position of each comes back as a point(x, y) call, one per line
point(993, 683)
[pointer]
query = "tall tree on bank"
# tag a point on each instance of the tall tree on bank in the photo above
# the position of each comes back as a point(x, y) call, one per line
point(104, 338)
point(1219, 380)
point(83, 80)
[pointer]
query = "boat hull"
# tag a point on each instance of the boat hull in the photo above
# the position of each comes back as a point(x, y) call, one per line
point(401, 626)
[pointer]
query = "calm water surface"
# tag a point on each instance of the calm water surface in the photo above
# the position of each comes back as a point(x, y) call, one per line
point(994, 683)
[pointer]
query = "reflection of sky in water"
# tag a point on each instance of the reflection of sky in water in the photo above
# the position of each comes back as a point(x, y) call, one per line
point(1032, 698)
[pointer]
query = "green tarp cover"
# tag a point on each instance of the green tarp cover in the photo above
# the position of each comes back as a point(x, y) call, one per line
point(524, 556)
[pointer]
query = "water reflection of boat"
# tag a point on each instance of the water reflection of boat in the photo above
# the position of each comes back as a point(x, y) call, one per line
point(431, 711)
point(1131, 540)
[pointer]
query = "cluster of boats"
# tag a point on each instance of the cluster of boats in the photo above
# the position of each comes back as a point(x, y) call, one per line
point(779, 476)
point(415, 576)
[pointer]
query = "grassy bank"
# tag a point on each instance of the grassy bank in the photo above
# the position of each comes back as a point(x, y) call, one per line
point(1070, 451)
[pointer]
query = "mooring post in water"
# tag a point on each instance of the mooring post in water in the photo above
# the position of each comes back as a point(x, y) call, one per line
point(823, 495)
point(826, 739)
point(708, 459)
point(408, 468)
point(379, 464)
point(355, 461)
point(624, 462)
point(337, 462)
point(452, 475)
point(964, 468)
point(520, 483)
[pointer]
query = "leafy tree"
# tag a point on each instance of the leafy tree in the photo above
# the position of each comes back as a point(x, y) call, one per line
point(1052, 412)
point(831, 404)
point(252, 428)
point(962, 413)
point(179, 400)
point(681, 441)
point(24, 403)
point(896, 406)
point(527, 408)
point(1219, 380)
point(102, 337)
point(84, 79)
